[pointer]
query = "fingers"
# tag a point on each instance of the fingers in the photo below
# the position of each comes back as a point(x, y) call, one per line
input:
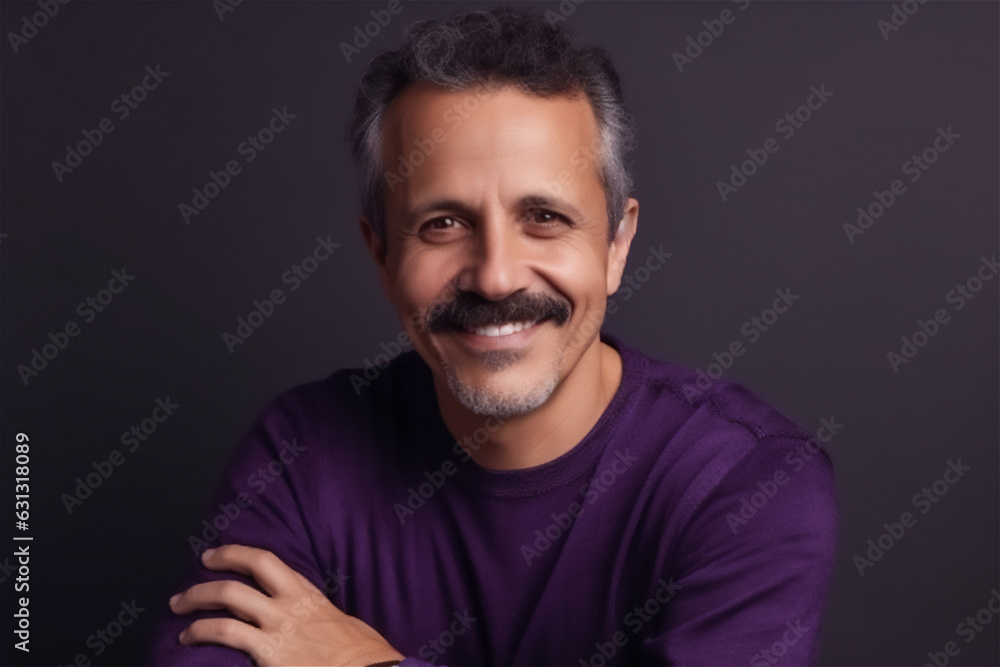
point(308, 585)
point(267, 569)
point(242, 600)
point(224, 631)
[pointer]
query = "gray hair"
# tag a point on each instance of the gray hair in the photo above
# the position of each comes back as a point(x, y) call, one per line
point(497, 47)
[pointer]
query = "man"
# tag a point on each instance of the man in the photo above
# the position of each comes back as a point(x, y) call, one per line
point(523, 489)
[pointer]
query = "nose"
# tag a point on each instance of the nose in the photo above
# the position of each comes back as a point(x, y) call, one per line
point(497, 267)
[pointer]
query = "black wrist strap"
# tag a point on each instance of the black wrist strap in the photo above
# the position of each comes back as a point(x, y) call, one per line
point(387, 663)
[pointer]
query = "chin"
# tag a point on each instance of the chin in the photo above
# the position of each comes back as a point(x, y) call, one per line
point(503, 398)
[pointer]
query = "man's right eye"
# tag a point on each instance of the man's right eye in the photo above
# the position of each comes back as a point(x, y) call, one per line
point(444, 228)
point(444, 222)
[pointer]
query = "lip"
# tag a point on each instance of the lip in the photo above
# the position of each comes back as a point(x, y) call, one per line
point(510, 341)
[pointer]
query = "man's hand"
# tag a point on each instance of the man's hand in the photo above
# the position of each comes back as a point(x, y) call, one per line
point(294, 624)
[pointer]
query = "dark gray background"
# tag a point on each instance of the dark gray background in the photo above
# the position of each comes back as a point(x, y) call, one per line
point(825, 358)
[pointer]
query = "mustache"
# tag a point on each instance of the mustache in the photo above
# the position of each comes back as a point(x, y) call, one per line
point(469, 310)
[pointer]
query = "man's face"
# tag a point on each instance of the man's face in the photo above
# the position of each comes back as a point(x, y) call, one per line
point(497, 251)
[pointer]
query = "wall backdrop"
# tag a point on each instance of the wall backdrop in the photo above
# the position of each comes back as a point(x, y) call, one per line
point(842, 153)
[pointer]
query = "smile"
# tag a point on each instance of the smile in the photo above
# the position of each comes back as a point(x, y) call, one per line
point(494, 330)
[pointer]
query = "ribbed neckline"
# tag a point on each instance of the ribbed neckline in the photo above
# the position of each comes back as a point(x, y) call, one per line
point(573, 464)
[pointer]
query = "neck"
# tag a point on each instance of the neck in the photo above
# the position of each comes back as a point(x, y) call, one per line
point(547, 432)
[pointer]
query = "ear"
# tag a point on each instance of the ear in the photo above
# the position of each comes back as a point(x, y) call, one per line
point(620, 244)
point(379, 253)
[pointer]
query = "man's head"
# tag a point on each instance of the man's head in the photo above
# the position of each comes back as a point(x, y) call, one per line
point(491, 153)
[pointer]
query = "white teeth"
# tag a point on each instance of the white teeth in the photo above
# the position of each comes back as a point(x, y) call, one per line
point(505, 330)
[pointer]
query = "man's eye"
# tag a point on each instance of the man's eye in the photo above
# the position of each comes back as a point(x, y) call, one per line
point(544, 217)
point(442, 230)
point(444, 222)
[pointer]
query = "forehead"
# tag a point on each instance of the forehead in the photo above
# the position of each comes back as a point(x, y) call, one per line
point(488, 142)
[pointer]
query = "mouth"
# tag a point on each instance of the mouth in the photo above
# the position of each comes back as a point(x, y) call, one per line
point(501, 330)
point(500, 335)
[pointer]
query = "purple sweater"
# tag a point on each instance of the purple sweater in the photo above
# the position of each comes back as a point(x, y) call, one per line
point(694, 524)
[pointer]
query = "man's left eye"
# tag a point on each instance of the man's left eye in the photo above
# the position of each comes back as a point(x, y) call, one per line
point(546, 217)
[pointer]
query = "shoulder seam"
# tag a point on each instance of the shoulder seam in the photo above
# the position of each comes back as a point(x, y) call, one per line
point(756, 431)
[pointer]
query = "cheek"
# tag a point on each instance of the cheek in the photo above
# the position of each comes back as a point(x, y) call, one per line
point(420, 277)
point(579, 273)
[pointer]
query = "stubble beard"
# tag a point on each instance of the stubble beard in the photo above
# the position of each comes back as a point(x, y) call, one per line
point(497, 403)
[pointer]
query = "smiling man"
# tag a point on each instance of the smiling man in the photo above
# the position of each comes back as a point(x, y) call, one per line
point(523, 488)
point(530, 266)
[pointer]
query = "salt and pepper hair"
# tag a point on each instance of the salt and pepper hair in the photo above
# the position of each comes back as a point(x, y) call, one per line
point(499, 47)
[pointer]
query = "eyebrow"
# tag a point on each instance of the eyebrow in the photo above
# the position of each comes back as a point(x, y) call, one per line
point(527, 201)
point(438, 205)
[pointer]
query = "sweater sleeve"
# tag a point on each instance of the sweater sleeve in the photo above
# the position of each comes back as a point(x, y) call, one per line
point(754, 564)
point(255, 505)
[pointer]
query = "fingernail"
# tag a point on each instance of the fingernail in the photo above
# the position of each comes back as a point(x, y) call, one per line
point(207, 554)
point(182, 637)
point(174, 599)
